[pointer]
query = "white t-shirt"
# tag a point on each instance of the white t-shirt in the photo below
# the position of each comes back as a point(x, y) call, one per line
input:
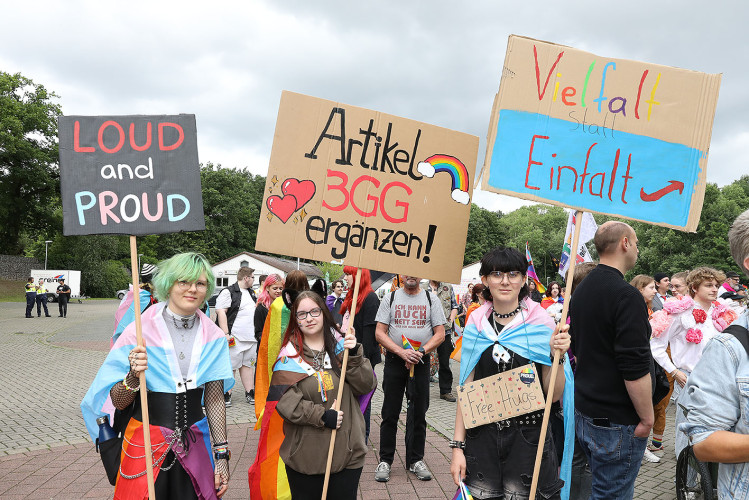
point(244, 324)
point(412, 317)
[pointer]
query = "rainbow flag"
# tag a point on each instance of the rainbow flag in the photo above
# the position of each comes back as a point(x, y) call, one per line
point(532, 270)
point(410, 344)
point(462, 493)
point(270, 345)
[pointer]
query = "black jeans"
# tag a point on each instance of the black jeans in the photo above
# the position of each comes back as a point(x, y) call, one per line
point(443, 353)
point(62, 305)
point(396, 382)
point(342, 485)
point(499, 463)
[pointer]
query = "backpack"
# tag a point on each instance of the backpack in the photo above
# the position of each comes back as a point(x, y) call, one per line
point(741, 334)
point(429, 299)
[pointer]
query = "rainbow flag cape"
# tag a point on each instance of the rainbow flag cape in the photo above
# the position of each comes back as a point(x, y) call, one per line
point(532, 270)
point(267, 475)
point(528, 334)
point(267, 353)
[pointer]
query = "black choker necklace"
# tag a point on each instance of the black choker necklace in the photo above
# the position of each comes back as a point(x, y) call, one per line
point(508, 315)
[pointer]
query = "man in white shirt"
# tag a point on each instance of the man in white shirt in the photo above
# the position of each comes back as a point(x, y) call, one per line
point(235, 309)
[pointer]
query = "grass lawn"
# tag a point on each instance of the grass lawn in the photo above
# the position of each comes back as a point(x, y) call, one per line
point(12, 291)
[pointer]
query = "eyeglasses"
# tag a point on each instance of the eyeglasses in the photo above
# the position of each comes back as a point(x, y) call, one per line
point(512, 276)
point(302, 315)
point(200, 286)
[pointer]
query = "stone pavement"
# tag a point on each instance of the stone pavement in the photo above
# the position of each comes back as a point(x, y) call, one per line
point(47, 364)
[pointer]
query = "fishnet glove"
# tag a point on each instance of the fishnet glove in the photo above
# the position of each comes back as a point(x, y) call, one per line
point(222, 470)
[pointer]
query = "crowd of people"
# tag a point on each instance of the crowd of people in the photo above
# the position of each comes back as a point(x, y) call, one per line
point(306, 358)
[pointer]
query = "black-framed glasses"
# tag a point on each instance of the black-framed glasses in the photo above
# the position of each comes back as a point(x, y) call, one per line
point(302, 315)
point(512, 276)
point(200, 286)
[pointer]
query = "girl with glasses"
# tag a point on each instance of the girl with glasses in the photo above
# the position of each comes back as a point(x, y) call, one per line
point(302, 393)
point(509, 331)
point(187, 362)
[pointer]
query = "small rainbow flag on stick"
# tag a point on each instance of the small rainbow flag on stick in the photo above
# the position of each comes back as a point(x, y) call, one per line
point(463, 493)
point(532, 270)
point(410, 344)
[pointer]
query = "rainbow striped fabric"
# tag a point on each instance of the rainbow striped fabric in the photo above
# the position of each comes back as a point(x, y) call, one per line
point(270, 346)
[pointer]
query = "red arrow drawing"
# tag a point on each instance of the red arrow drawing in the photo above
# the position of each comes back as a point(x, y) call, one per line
point(673, 186)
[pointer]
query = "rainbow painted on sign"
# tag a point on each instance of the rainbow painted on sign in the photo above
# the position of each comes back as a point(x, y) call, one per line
point(453, 166)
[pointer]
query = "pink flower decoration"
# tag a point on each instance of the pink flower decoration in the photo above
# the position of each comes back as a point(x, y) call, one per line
point(660, 322)
point(723, 316)
point(694, 335)
point(699, 315)
point(674, 306)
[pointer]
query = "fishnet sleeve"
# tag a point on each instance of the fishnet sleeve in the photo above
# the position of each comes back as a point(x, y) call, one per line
point(216, 412)
point(121, 397)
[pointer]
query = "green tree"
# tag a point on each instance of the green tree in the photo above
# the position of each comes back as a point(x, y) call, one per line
point(484, 233)
point(231, 203)
point(29, 179)
point(330, 271)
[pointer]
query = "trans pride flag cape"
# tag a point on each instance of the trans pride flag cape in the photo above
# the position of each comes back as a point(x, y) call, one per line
point(267, 475)
point(267, 353)
point(126, 312)
point(528, 334)
point(210, 361)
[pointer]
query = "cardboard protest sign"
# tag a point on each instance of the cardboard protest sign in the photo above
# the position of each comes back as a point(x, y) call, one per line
point(613, 136)
point(129, 175)
point(505, 395)
point(369, 189)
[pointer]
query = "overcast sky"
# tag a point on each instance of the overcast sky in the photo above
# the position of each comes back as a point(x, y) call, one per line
point(434, 61)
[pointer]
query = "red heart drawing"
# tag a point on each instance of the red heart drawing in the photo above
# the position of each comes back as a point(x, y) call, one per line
point(283, 208)
point(303, 191)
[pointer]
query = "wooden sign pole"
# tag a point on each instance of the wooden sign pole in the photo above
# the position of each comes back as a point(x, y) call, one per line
point(337, 405)
point(557, 353)
point(143, 392)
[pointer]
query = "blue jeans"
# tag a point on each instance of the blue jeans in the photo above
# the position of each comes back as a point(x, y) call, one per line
point(614, 454)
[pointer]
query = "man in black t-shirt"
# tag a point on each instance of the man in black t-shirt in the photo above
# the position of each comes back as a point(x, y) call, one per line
point(63, 296)
point(613, 387)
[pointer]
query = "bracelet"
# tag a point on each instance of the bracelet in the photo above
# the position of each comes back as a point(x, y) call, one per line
point(124, 383)
point(561, 358)
point(457, 444)
point(220, 445)
point(220, 453)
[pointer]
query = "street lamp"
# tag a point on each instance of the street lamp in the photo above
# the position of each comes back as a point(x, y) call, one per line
point(46, 244)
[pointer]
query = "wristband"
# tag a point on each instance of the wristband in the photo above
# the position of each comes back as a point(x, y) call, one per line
point(458, 444)
point(124, 384)
point(222, 453)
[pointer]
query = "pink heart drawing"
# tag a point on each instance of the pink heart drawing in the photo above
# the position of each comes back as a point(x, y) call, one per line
point(303, 191)
point(283, 208)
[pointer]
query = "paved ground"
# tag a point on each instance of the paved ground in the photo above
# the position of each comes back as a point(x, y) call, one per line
point(47, 364)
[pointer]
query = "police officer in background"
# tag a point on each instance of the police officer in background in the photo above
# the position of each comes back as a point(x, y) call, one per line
point(41, 299)
point(30, 296)
point(63, 296)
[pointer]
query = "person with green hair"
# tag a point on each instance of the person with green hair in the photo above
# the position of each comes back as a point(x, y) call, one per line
point(187, 358)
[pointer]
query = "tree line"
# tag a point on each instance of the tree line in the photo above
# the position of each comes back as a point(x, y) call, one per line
point(31, 212)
